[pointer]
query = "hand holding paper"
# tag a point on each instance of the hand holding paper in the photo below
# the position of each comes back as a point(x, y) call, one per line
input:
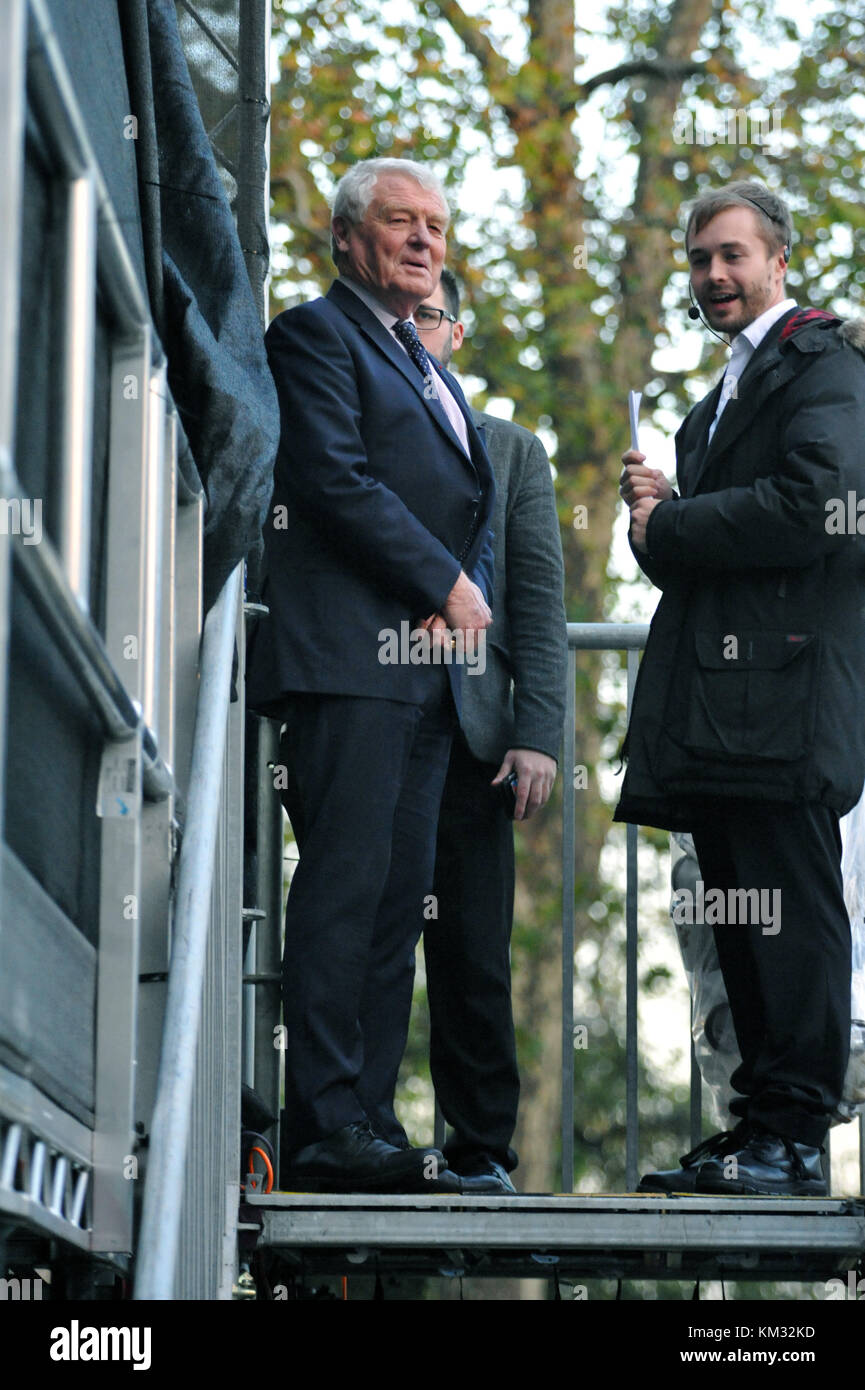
point(639, 483)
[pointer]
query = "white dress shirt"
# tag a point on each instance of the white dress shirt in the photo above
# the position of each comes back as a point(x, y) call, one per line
point(744, 345)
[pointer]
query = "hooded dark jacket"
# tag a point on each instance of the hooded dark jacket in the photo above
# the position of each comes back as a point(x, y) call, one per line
point(752, 684)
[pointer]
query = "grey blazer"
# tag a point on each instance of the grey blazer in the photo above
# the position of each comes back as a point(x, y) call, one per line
point(519, 701)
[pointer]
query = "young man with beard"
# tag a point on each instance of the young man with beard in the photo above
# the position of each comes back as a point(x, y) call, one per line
point(745, 728)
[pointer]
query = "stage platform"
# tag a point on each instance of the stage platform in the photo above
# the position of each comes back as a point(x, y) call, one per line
point(574, 1237)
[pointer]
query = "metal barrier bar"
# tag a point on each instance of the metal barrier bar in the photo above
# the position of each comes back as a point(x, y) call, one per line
point(262, 754)
point(632, 1058)
point(568, 889)
point(153, 547)
point(629, 637)
point(13, 30)
point(160, 1224)
point(253, 190)
point(117, 994)
point(696, 1125)
point(77, 426)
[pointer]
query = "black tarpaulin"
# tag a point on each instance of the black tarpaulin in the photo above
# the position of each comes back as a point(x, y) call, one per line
point(203, 307)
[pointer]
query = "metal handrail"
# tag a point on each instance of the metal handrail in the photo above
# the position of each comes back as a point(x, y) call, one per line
point(172, 1114)
point(630, 637)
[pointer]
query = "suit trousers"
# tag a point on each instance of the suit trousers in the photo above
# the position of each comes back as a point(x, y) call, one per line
point(367, 776)
point(467, 953)
point(789, 989)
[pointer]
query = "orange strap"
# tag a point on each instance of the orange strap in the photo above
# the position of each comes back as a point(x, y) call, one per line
point(267, 1163)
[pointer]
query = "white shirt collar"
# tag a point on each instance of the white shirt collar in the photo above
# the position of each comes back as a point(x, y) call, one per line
point(385, 316)
point(756, 331)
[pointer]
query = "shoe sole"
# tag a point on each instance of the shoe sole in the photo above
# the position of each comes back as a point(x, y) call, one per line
point(408, 1180)
point(498, 1191)
point(646, 1189)
point(384, 1186)
point(739, 1188)
point(687, 1188)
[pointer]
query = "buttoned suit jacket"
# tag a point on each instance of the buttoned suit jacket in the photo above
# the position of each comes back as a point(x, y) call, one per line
point(376, 508)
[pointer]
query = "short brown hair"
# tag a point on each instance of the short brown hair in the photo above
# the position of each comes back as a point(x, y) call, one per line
point(774, 223)
point(451, 291)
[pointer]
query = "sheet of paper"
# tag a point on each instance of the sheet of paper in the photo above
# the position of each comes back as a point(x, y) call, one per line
point(634, 398)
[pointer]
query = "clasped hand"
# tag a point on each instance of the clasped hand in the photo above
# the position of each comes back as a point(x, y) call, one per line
point(465, 608)
point(642, 488)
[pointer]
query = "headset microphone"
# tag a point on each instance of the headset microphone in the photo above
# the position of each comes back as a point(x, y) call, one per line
point(694, 314)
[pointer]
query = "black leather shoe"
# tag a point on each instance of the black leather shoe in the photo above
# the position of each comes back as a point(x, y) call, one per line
point(766, 1165)
point(447, 1182)
point(684, 1179)
point(481, 1175)
point(354, 1160)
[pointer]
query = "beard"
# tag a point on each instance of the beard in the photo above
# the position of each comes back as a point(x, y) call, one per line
point(749, 303)
point(447, 351)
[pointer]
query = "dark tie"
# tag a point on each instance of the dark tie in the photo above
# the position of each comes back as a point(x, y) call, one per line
point(408, 336)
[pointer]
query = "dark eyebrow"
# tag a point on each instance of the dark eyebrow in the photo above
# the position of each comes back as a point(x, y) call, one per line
point(725, 246)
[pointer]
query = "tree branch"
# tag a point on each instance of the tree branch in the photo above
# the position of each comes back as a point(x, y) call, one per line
point(304, 192)
point(475, 42)
point(666, 68)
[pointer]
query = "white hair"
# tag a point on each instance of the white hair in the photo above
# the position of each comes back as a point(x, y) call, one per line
point(355, 189)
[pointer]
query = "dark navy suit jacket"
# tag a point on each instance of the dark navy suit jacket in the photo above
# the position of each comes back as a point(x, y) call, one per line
point(376, 508)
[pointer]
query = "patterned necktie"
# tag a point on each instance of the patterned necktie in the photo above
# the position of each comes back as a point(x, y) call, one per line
point(408, 336)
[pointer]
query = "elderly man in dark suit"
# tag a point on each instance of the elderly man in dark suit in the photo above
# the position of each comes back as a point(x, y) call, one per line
point(511, 723)
point(378, 532)
point(746, 726)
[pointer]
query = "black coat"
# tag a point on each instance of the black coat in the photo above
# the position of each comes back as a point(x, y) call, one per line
point(753, 678)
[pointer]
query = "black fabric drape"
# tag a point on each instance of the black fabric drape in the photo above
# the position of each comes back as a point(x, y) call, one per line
point(200, 295)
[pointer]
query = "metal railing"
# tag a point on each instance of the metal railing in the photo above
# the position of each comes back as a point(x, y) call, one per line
point(599, 637)
point(631, 638)
point(183, 1044)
